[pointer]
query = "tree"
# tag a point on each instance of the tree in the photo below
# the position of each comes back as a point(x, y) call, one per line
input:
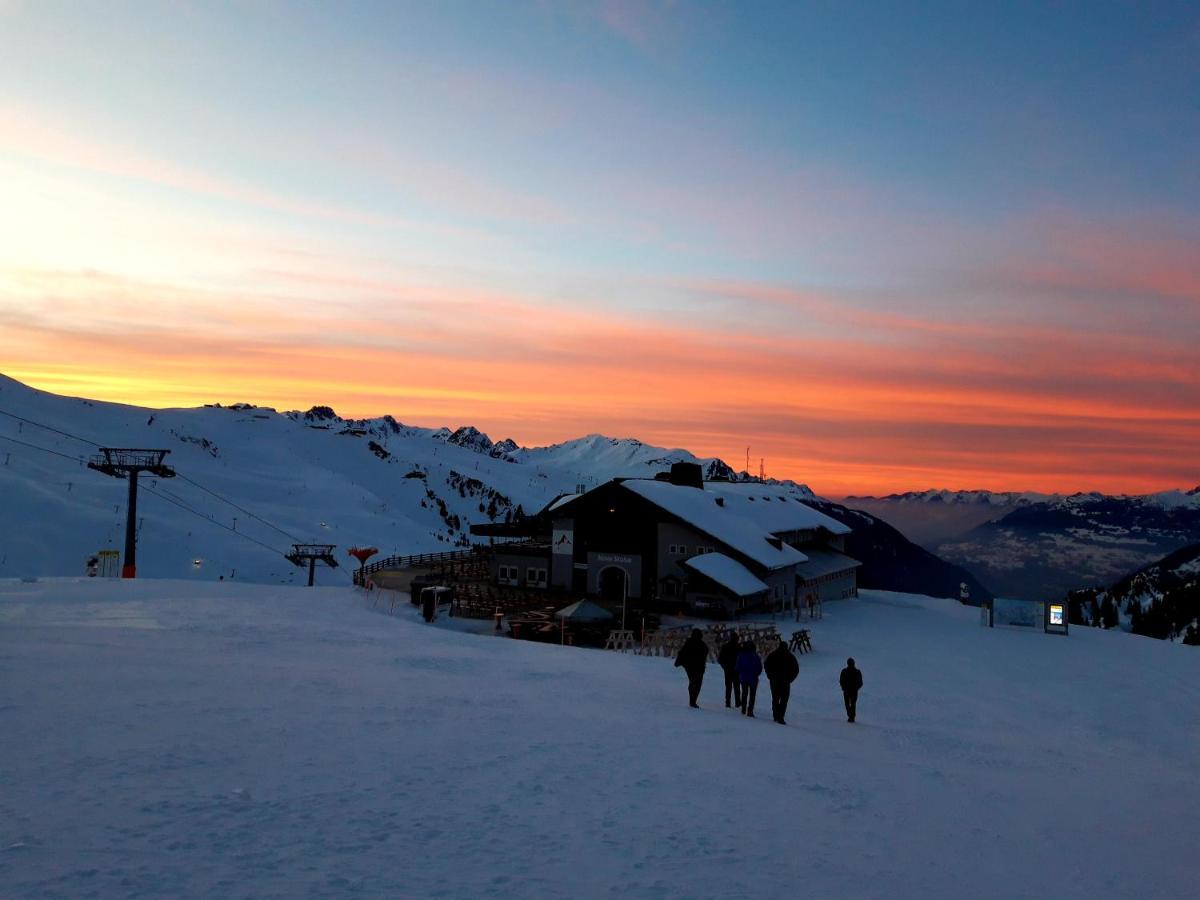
point(1108, 613)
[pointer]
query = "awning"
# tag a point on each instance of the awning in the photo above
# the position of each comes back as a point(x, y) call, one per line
point(824, 562)
point(584, 611)
point(728, 573)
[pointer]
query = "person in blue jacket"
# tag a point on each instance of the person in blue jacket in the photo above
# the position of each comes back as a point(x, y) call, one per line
point(749, 667)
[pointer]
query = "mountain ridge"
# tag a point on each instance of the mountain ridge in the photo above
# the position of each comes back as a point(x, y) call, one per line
point(307, 476)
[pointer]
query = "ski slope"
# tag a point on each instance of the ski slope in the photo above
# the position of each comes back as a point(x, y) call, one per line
point(173, 738)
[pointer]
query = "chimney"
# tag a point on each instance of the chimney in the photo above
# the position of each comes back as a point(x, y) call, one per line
point(686, 474)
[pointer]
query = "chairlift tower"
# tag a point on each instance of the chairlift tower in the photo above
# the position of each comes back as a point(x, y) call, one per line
point(129, 462)
point(312, 554)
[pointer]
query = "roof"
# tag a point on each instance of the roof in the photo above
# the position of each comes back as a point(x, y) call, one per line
point(729, 573)
point(726, 523)
point(774, 507)
point(584, 611)
point(561, 500)
point(825, 562)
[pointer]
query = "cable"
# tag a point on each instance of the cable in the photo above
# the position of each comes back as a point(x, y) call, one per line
point(146, 487)
point(241, 509)
point(76, 437)
point(47, 427)
point(210, 520)
point(74, 459)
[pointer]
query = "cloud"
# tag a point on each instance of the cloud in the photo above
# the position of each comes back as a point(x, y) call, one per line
point(848, 411)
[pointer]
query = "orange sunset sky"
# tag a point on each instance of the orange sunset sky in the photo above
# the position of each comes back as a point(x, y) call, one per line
point(968, 259)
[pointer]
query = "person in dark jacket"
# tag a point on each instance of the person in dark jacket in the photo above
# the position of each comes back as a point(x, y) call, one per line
point(781, 670)
point(749, 667)
point(728, 660)
point(692, 658)
point(851, 682)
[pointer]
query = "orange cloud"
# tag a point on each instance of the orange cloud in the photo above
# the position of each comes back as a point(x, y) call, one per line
point(849, 413)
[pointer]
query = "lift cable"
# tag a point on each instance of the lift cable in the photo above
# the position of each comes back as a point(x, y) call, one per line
point(182, 505)
point(192, 481)
point(241, 509)
point(74, 459)
point(47, 427)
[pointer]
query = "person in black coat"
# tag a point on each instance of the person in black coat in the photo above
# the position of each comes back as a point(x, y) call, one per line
point(692, 658)
point(851, 682)
point(781, 670)
point(728, 661)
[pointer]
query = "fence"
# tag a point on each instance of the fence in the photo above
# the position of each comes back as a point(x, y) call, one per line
point(668, 641)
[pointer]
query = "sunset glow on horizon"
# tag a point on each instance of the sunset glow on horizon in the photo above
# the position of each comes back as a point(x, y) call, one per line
point(886, 251)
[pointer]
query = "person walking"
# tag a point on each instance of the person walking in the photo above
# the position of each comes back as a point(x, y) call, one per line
point(749, 667)
point(851, 682)
point(781, 670)
point(727, 659)
point(692, 658)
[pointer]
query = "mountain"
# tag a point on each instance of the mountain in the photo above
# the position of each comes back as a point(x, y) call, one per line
point(935, 516)
point(1160, 600)
point(889, 558)
point(253, 480)
point(1029, 544)
point(1047, 548)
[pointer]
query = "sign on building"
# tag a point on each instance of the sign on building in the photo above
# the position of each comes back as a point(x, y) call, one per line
point(563, 541)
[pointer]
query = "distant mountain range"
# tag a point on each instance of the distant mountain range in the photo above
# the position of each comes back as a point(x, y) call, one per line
point(1159, 600)
point(1037, 545)
point(253, 480)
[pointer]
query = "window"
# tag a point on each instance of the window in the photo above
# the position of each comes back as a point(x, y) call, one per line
point(535, 577)
point(508, 575)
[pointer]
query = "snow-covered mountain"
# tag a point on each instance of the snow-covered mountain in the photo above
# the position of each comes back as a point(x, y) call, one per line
point(1049, 547)
point(251, 476)
point(253, 480)
point(934, 516)
point(1159, 600)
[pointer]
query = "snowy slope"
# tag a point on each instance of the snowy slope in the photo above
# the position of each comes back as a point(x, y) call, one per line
point(313, 475)
point(176, 739)
point(1159, 600)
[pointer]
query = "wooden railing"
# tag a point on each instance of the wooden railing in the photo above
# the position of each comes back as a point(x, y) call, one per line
point(391, 563)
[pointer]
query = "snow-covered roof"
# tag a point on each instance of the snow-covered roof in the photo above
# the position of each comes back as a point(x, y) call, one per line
point(773, 507)
point(724, 522)
point(825, 562)
point(561, 501)
point(729, 573)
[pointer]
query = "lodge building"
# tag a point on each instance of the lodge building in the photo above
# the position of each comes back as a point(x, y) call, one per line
point(714, 547)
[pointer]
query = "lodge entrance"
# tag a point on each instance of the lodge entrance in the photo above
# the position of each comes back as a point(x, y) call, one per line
point(614, 585)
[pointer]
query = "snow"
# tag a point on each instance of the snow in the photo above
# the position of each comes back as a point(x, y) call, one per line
point(734, 528)
point(775, 508)
point(311, 475)
point(178, 738)
point(729, 573)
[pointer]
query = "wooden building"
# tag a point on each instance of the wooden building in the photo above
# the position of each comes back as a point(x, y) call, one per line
point(714, 547)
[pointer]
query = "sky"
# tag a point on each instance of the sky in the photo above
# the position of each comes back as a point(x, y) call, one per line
point(885, 246)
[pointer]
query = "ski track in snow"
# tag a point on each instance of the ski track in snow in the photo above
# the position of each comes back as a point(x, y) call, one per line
point(165, 738)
